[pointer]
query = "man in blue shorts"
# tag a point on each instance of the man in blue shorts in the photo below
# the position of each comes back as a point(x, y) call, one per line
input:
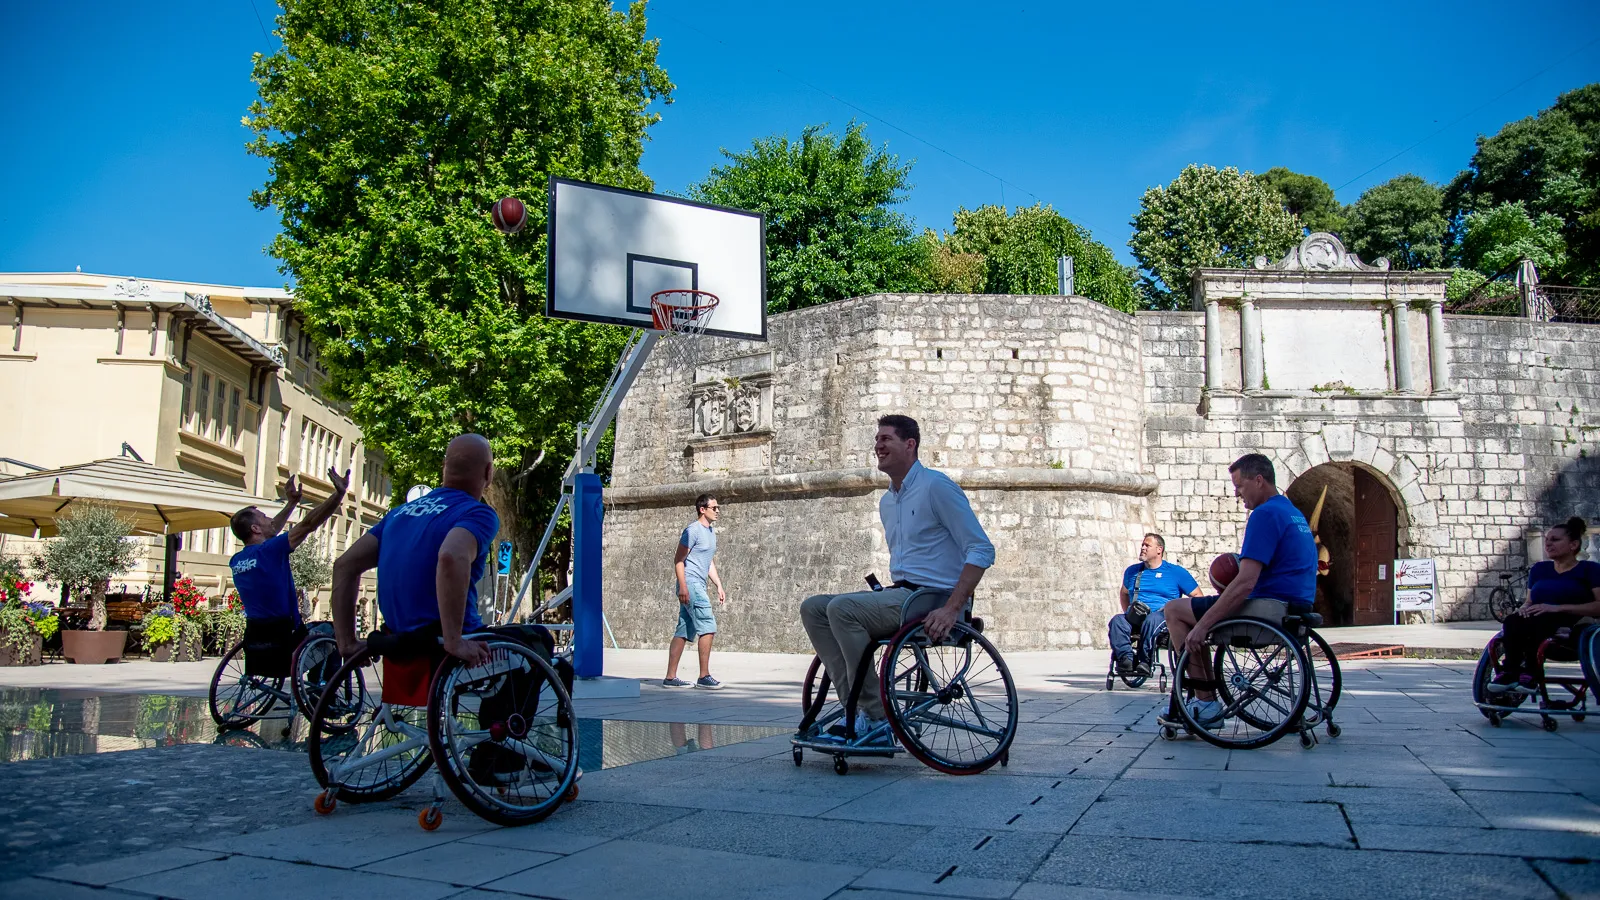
point(695, 568)
point(1150, 583)
point(1277, 562)
point(265, 583)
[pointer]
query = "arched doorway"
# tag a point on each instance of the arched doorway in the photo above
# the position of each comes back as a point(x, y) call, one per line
point(1360, 526)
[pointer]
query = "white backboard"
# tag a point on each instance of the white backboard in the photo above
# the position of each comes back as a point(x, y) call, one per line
point(611, 248)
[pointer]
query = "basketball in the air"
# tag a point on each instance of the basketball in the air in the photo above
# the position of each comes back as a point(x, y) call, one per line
point(509, 215)
point(1224, 569)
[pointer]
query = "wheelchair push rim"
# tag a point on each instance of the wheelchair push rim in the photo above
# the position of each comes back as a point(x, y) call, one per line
point(366, 750)
point(238, 699)
point(504, 734)
point(314, 664)
point(951, 704)
point(1261, 678)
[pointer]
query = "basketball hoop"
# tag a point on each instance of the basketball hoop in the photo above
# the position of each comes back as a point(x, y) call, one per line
point(682, 316)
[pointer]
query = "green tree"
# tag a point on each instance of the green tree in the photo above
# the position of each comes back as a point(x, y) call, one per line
point(1016, 253)
point(1402, 220)
point(1549, 162)
point(1206, 217)
point(390, 130)
point(1494, 241)
point(312, 570)
point(1308, 197)
point(91, 547)
point(831, 232)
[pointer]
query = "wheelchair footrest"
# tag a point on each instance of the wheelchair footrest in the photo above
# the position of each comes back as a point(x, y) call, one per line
point(836, 748)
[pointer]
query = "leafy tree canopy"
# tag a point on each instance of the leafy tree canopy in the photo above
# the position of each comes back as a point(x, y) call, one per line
point(390, 129)
point(827, 198)
point(1401, 220)
point(992, 251)
point(1308, 197)
point(1549, 162)
point(1206, 217)
point(1495, 240)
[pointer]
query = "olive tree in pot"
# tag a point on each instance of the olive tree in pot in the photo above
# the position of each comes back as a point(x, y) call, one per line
point(312, 572)
point(92, 547)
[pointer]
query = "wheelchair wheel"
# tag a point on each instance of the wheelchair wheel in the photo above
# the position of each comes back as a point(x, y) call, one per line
point(314, 663)
point(1489, 662)
point(362, 749)
point(239, 700)
point(1261, 681)
point(829, 711)
point(1329, 681)
point(953, 704)
point(504, 734)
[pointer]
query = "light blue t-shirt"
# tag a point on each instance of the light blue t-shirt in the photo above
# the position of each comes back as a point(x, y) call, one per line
point(1156, 587)
point(702, 543)
point(1278, 537)
point(409, 538)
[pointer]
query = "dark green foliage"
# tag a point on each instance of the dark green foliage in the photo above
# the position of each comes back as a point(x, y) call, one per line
point(1308, 197)
point(1016, 253)
point(1400, 220)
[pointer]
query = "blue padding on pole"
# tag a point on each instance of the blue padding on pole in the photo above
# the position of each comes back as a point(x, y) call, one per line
point(588, 625)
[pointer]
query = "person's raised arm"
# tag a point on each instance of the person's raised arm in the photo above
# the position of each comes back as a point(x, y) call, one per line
point(347, 571)
point(291, 499)
point(452, 582)
point(303, 528)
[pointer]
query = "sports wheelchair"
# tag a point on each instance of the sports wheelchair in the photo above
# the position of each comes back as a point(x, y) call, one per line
point(248, 685)
point(1273, 674)
point(951, 704)
point(504, 734)
point(1156, 656)
point(1578, 644)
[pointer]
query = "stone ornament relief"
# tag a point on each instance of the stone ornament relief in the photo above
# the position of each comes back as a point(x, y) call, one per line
point(732, 406)
point(1321, 252)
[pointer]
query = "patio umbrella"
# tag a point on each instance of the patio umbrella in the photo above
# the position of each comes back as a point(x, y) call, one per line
point(157, 500)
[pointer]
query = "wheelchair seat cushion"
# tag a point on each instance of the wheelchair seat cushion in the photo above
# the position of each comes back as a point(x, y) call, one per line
point(269, 646)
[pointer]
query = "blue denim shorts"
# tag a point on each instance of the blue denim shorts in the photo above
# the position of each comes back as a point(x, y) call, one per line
point(696, 618)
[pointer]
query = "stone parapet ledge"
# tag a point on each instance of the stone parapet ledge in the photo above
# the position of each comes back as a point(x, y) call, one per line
point(850, 482)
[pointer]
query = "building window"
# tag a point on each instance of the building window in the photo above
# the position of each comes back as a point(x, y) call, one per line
point(203, 406)
point(283, 439)
point(233, 418)
point(219, 408)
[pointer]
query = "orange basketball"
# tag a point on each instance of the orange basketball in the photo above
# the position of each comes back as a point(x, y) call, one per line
point(1224, 569)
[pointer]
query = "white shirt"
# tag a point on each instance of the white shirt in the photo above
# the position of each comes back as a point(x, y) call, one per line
point(931, 530)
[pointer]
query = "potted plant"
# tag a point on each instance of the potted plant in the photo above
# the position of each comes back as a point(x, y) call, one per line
point(312, 572)
point(24, 625)
point(91, 547)
point(225, 624)
point(158, 631)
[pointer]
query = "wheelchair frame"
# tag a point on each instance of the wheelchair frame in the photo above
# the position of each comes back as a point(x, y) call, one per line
point(818, 688)
point(1158, 663)
point(1584, 644)
point(269, 690)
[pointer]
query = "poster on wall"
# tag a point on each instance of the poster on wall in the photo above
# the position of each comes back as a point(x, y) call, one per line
point(1415, 586)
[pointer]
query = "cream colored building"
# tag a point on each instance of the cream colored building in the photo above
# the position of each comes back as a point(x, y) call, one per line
point(218, 381)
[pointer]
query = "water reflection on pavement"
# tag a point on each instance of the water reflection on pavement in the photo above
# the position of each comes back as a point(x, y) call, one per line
point(40, 723)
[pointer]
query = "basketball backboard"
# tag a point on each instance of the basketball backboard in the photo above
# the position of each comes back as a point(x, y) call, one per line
point(611, 248)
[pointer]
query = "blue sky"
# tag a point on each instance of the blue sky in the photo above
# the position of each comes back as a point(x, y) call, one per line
point(123, 152)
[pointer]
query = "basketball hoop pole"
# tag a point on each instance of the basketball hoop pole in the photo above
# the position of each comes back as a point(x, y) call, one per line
point(590, 433)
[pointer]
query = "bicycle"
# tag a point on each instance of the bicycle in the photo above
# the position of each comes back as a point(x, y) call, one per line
point(1503, 600)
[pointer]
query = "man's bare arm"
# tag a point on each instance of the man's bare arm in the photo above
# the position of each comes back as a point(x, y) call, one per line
point(1124, 599)
point(1237, 593)
point(683, 578)
point(452, 581)
point(347, 571)
point(940, 621)
point(314, 519)
point(291, 500)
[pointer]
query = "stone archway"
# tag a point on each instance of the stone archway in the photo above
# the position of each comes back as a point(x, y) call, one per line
point(1360, 525)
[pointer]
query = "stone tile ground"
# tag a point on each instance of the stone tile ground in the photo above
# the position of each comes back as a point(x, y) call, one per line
point(1418, 798)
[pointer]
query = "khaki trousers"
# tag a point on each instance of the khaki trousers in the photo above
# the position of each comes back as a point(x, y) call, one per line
point(841, 626)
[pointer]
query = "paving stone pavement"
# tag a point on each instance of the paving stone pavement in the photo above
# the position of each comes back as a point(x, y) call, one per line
point(1420, 798)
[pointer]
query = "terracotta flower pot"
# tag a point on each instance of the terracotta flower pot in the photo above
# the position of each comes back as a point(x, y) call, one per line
point(86, 647)
point(33, 656)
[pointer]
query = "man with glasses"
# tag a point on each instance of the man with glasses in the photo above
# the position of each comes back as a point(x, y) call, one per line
point(694, 568)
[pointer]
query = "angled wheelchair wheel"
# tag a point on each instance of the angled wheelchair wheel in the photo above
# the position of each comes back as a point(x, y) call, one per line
point(819, 709)
point(361, 748)
point(237, 699)
point(1329, 682)
point(953, 704)
point(1261, 680)
point(314, 664)
point(1489, 662)
point(1135, 680)
point(504, 734)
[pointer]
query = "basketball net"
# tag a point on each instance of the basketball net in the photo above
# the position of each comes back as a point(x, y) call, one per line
point(682, 316)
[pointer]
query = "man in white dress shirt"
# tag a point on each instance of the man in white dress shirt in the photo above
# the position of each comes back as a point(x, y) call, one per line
point(934, 540)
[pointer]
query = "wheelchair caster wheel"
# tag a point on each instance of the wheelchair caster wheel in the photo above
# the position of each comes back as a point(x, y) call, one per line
point(841, 765)
point(799, 756)
point(325, 803)
point(1334, 730)
point(1109, 682)
point(1578, 717)
point(1550, 724)
point(1168, 733)
point(1494, 719)
point(1306, 740)
point(570, 795)
point(430, 818)
point(1005, 759)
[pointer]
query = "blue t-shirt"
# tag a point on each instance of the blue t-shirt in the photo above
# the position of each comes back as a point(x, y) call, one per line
point(1278, 537)
point(1157, 586)
point(266, 585)
point(1569, 588)
point(702, 543)
point(409, 538)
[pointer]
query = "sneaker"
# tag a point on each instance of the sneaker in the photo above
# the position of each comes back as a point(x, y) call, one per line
point(1525, 686)
point(884, 736)
point(1206, 713)
point(1124, 665)
point(1141, 666)
point(1502, 682)
point(709, 683)
point(674, 682)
